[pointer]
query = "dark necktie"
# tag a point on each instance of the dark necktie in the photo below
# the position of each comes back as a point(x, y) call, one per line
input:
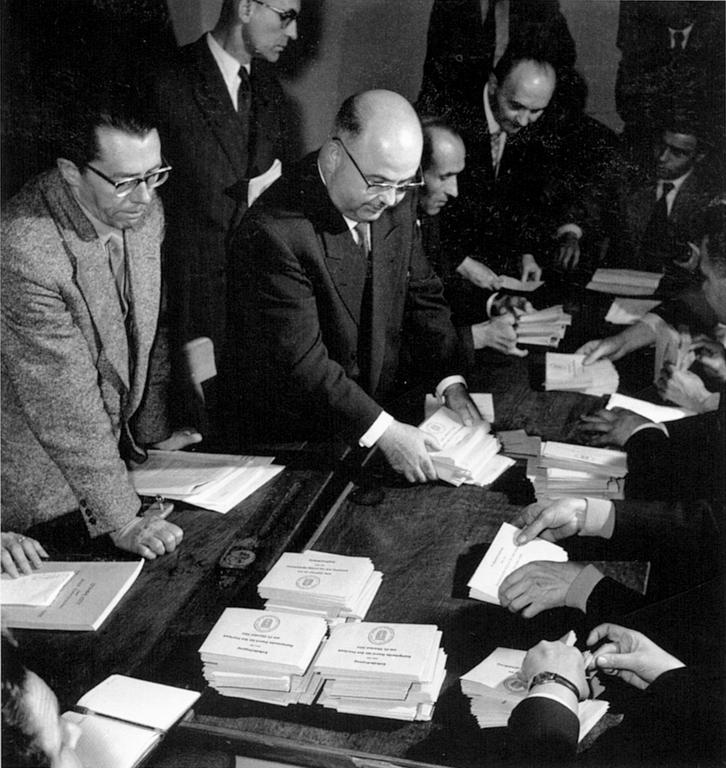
point(117, 265)
point(657, 243)
point(244, 95)
point(365, 326)
point(678, 40)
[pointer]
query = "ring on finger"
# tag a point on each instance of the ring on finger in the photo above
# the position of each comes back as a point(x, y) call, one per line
point(20, 539)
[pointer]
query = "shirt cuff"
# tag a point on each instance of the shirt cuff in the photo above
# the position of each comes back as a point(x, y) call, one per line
point(581, 588)
point(444, 384)
point(490, 303)
point(373, 434)
point(652, 425)
point(599, 518)
point(565, 228)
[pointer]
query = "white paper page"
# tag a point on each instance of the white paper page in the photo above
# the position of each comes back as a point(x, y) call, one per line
point(617, 461)
point(504, 556)
point(236, 487)
point(139, 701)
point(652, 411)
point(37, 589)
point(496, 668)
point(515, 284)
point(628, 311)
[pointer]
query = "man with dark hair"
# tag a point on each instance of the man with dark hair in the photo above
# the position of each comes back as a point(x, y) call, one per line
point(221, 121)
point(80, 302)
point(33, 733)
point(330, 284)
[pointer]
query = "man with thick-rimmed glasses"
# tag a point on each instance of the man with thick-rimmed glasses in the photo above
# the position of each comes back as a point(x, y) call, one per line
point(80, 303)
point(221, 120)
point(330, 289)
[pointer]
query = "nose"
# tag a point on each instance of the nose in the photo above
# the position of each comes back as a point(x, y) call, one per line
point(524, 118)
point(291, 30)
point(72, 734)
point(452, 187)
point(389, 195)
point(664, 155)
point(142, 193)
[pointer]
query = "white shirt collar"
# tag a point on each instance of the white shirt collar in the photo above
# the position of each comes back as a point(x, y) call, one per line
point(677, 183)
point(228, 67)
point(686, 34)
point(492, 123)
point(351, 223)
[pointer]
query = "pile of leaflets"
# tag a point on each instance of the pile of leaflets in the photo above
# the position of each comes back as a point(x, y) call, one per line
point(544, 328)
point(568, 374)
point(467, 454)
point(384, 670)
point(563, 469)
point(625, 282)
point(336, 587)
point(264, 656)
point(503, 557)
point(495, 687)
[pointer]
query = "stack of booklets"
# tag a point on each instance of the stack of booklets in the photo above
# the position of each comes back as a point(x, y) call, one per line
point(264, 656)
point(122, 720)
point(563, 469)
point(467, 454)
point(213, 481)
point(336, 587)
point(568, 374)
point(72, 596)
point(495, 687)
point(503, 557)
point(625, 282)
point(544, 328)
point(518, 444)
point(384, 670)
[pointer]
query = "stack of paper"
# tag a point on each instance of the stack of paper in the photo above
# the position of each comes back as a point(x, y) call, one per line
point(503, 557)
point(336, 587)
point(672, 348)
point(467, 454)
point(264, 656)
point(567, 373)
point(629, 311)
point(518, 444)
point(544, 328)
point(625, 282)
point(563, 469)
point(384, 670)
point(210, 480)
point(495, 687)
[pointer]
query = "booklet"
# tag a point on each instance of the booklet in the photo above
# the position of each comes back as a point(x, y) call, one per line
point(503, 557)
point(123, 719)
point(85, 600)
point(625, 282)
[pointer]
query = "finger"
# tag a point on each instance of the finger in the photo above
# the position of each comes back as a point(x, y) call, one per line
point(611, 662)
point(145, 552)
point(41, 549)
point(497, 283)
point(21, 561)
point(534, 529)
point(428, 469)
point(8, 564)
point(155, 544)
point(168, 541)
point(533, 609)
point(430, 442)
point(518, 351)
point(29, 547)
point(602, 631)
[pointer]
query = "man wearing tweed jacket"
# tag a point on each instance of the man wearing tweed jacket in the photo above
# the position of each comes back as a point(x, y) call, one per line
point(80, 303)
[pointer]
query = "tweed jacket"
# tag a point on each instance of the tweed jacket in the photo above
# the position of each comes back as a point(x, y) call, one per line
point(205, 141)
point(297, 280)
point(70, 383)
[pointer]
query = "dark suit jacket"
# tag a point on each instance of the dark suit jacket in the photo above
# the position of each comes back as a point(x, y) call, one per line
point(71, 383)
point(295, 310)
point(203, 139)
point(459, 56)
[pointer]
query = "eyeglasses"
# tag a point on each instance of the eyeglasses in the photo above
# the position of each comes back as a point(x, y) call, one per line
point(286, 17)
point(378, 188)
point(125, 187)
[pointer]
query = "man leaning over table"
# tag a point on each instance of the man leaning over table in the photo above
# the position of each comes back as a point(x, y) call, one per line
point(329, 283)
point(80, 303)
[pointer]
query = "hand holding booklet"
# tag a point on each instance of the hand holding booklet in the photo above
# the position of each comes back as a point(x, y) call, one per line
point(503, 557)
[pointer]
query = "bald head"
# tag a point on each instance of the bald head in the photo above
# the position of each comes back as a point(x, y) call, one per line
point(519, 96)
point(380, 133)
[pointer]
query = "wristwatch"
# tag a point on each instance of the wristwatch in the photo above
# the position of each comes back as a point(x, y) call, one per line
point(553, 677)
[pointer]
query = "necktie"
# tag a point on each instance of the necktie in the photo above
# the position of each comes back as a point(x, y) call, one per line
point(365, 327)
point(496, 148)
point(657, 242)
point(117, 265)
point(244, 94)
point(678, 40)
point(666, 189)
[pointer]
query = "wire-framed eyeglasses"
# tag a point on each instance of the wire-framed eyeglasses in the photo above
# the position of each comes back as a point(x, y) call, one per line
point(286, 17)
point(380, 187)
point(125, 187)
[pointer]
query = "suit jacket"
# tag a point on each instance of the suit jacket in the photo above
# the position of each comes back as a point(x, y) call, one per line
point(295, 311)
point(204, 139)
point(629, 247)
point(69, 389)
point(459, 55)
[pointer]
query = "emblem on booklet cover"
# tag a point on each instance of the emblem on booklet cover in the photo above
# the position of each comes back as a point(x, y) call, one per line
point(381, 635)
point(307, 582)
point(267, 623)
point(515, 684)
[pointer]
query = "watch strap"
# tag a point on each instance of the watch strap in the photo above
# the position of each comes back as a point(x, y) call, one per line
point(554, 677)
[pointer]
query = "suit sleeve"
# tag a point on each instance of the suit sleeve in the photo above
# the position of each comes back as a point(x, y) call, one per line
point(543, 732)
point(278, 335)
point(49, 367)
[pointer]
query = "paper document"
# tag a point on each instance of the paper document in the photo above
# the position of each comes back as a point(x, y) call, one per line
point(657, 413)
point(515, 284)
point(503, 557)
point(482, 400)
point(568, 373)
point(37, 589)
point(625, 282)
point(628, 311)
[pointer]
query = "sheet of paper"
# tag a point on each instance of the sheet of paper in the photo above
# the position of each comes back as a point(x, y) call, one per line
point(515, 284)
point(258, 184)
point(628, 311)
point(652, 411)
point(504, 556)
point(625, 282)
point(39, 589)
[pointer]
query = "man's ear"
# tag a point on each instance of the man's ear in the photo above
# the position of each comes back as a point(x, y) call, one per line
point(493, 83)
point(69, 171)
point(244, 11)
point(330, 156)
